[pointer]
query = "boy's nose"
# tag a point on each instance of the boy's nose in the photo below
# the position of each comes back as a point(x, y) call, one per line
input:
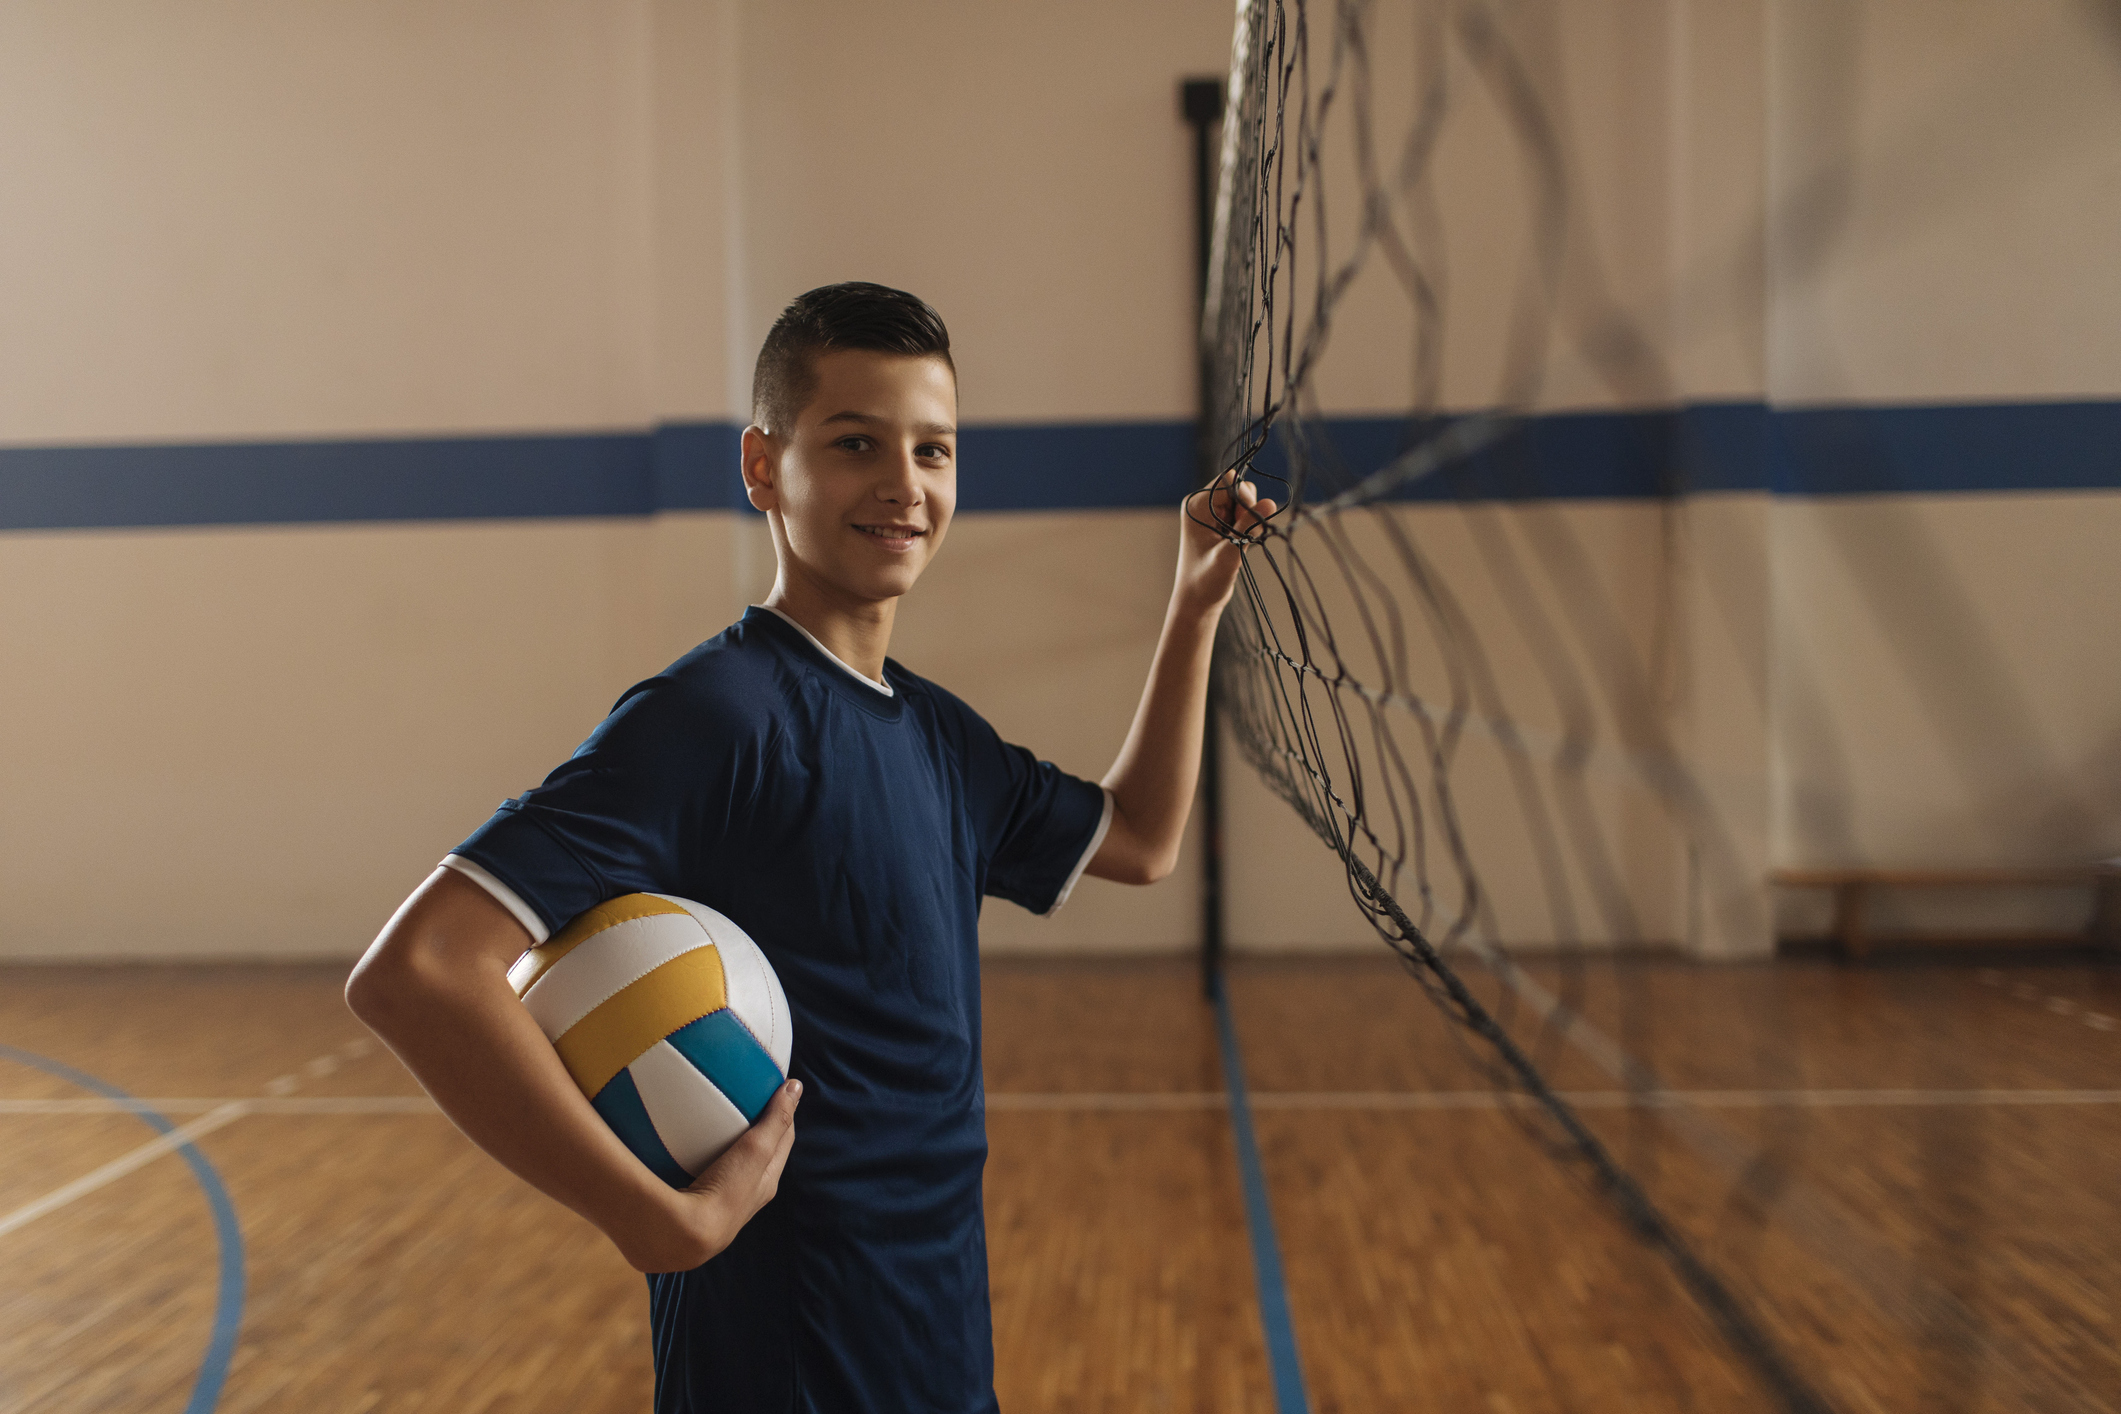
point(902, 484)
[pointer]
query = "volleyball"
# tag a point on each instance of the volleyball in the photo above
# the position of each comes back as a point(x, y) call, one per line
point(670, 1020)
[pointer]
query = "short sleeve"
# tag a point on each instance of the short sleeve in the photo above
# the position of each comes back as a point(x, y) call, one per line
point(1038, 824)
point(649, 789)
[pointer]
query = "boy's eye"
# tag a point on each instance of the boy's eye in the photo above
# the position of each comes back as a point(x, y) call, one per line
point(854, 444)
point(935, 451)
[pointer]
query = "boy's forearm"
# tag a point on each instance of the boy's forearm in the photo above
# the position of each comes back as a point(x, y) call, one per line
point(1153, 779)
point(453, 1020)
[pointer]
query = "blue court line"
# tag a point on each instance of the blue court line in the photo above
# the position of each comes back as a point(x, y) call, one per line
point(228, 1301)
point(1282, 1361)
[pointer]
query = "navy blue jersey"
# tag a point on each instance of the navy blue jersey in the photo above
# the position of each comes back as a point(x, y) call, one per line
point(852, 833)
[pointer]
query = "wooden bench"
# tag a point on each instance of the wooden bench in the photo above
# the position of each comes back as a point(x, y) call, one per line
point(1853, 888)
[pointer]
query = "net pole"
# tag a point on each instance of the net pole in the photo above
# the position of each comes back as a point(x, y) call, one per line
point(1200, 103)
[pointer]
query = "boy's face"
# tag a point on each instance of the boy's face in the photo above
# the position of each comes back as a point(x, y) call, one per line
point(864, 482)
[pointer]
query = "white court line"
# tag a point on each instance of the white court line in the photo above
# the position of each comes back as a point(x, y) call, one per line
point(307, 1105)
point(1107, 1100)
point(218, 1113)
point(124, 1164)
point(1388, 1100)
point(1154, 1100)
point(1677, 1099)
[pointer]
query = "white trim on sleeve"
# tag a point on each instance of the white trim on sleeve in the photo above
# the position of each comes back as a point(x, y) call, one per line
point(502, 894)
point(1104, 823)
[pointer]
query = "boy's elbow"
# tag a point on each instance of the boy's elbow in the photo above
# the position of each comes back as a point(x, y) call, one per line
point(369, 992)
point(384, 980)
point(1148, 866)
point(1132, 856)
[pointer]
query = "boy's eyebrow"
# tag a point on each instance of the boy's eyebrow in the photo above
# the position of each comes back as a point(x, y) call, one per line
point(870, 419)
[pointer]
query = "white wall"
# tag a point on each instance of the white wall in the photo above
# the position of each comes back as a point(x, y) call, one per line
point(255, 741)
point(1944, 201)
point(247, 221)
point(1022, 166)
point(1798, 203)
point(355, 219)
point(1946, 185)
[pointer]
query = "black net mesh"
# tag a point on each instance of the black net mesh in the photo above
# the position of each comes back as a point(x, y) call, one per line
point(1354, 671)
point(1440, 660)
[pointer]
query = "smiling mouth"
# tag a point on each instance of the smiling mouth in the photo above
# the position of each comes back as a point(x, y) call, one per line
point(893, 537)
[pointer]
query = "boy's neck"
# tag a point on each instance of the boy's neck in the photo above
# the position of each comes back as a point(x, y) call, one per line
point(858, 634)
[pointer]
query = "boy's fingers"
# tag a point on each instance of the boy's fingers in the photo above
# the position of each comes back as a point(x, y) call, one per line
point(1228, 504)
point(770, 1181)
point(775, 1130)
point(761, 1149)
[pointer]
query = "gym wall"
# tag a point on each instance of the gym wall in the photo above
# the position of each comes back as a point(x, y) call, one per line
point(263, 271)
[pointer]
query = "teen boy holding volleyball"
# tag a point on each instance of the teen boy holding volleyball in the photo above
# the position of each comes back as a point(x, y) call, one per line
point(849, 816)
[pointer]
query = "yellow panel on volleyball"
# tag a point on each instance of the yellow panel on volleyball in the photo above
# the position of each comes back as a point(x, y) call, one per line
point(670, 1019)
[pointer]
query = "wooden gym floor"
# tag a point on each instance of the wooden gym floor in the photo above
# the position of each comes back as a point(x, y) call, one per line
point(1910, 1174)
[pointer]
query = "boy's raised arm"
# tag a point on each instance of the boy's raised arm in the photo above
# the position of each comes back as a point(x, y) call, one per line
point(1153, 778)
point(434, 987)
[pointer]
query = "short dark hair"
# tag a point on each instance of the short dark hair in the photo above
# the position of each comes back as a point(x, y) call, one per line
point(852, 315)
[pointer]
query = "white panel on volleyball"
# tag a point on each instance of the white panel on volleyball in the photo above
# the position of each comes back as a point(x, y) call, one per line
point(754, 991)
point(590, 975)
point(694, 1119)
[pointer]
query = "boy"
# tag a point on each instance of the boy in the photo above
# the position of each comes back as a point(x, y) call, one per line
point(849, 816)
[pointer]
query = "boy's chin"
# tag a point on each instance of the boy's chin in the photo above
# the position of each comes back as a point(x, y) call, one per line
point(895, 586)
point(880, 586)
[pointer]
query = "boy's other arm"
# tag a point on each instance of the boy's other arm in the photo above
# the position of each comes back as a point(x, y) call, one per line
point(1153, 778)
point(434, 987)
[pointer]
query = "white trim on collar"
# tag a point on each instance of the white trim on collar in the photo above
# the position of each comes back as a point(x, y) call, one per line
point(863, 678)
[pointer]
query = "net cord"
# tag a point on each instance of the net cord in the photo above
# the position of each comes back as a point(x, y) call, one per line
point(1286, 740)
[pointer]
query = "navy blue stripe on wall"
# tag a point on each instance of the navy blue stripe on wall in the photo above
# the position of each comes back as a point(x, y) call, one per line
point(1840, 451)
point(1074, 466)
point(1070, 466)
point(1943, 449)
point(679, 466)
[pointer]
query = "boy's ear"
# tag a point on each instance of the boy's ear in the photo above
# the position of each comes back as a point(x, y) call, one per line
point(762, 468)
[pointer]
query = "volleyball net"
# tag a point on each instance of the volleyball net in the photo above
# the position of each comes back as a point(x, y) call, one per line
point(1430, 661)
point(1472, 649)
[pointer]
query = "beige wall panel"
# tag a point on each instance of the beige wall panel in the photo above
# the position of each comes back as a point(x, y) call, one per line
point(1717, 303)
point(1945, 689)
point(1946, 196)
point(1537, 586)
point(695, 562)
point(1656, 126)
point(700, 372)
point(270, 221)
point(1284, 888)
point(1725, 637)
point(345, 219)
point(1022, 167)
point(255, 742)
point(1288, 892)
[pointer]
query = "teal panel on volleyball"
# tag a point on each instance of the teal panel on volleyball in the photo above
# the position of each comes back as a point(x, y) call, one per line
point(670, 1020)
